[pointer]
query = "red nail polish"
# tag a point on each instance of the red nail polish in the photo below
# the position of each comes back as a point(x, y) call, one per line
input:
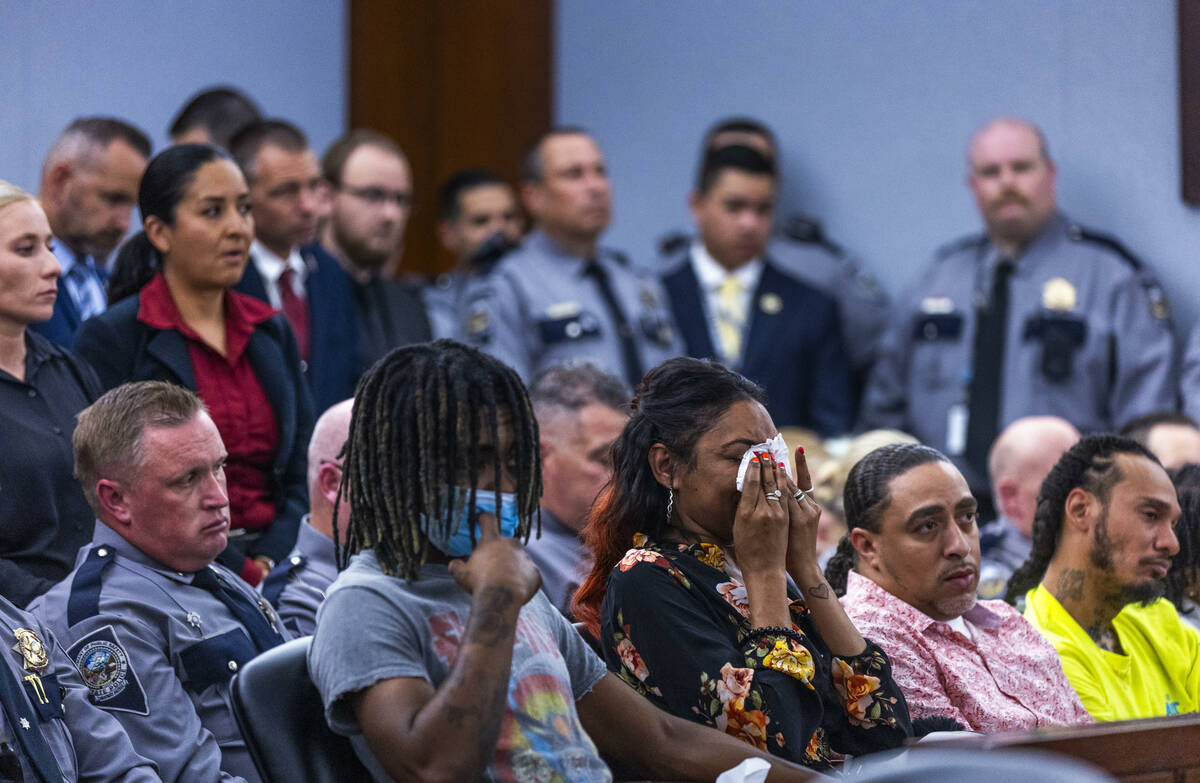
point(754, 458)
point(801, 448)
point(783, 464)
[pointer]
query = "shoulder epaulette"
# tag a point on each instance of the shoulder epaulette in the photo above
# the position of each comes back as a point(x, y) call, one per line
point(84, 600)
point(808, 231)
point(974, 241)
point(279, 577)
point(672, 243)
point(1081, 234)
point(619, 257)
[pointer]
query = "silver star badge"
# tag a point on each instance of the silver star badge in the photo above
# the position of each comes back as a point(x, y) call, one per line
point(24, 723)
point(193, 619)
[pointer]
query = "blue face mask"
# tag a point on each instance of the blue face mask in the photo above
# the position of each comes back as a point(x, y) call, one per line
point(458, 540)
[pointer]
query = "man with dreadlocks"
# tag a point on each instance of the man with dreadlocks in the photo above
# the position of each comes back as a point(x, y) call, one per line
point(435, 652)
point(1103, 539)
point(908, 571)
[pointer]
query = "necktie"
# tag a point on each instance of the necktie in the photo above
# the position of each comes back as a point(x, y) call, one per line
point(246, 611)
point(295, 310)
point(629, 351)
point(983, 392)
point(88, 290)
point(729, 317)
point(23, 723)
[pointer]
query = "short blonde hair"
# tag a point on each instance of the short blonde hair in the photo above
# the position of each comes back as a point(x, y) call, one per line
point(11, 194)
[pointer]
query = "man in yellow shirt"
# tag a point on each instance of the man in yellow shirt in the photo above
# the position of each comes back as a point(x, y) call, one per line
point(1103, 539)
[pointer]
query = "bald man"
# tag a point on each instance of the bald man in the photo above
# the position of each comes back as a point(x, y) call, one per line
point(1172, 437)
point(296, 587)
point(1018, 463)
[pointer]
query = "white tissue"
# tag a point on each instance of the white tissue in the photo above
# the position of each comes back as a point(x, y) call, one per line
point(749, 771)
point(775, 447)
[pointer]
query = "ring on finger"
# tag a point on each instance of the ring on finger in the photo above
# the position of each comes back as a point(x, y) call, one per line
point(800, 494)
point(775, 495)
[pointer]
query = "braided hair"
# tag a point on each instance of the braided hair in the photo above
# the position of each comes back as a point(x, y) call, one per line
point(1089, 465)
point(676, 403)
point(867, 494)
point(1186, 563)
point(418, 417)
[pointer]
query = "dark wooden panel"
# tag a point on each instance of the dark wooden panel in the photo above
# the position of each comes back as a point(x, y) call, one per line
point(457, 83)
point(1189, 99)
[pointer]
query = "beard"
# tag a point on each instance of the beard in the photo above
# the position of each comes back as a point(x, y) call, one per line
point(1145, 592)
point(362, 253)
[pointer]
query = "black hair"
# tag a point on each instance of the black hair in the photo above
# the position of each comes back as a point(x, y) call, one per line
point(738, 125)
point(418, 415)
point(736, 157)
point(246, 143)
point(221, 111)
point(167, 177)
point(448, 195)
point(1139, 429)
point(675, 404)
point(867, 494)
point(533, 166)
point(1186, 563)
point(1090, 465)
point(105, 130)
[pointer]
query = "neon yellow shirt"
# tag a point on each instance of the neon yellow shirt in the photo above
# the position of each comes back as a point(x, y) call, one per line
point(1159, 674)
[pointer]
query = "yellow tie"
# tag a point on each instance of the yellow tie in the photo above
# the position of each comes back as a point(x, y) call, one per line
point(730, 319)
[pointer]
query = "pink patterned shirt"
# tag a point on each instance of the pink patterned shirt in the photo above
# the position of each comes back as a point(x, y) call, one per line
point(1008, 677)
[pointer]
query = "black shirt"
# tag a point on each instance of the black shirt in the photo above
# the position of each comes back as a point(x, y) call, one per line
point(390, 314)
point(44, 518)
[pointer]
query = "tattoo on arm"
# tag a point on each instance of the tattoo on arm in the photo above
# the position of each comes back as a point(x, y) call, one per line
point(820, 591)
point(487, 624)
point(1069, 585)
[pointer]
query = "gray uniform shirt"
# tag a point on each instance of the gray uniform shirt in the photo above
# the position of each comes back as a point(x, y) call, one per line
point(1088, 339)
point(296, 587)
point(88, 743)
point(374, 627)
point(158, 654)
point(538, 309)
point(563, 560)
point(1189, 382)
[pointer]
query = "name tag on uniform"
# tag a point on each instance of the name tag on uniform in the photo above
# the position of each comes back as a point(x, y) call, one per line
point(557, 330)
point(940, 326)
point(956, 429)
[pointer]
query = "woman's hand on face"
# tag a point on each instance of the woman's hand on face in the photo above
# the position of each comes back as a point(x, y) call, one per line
point(760, 526)
point(803, 516)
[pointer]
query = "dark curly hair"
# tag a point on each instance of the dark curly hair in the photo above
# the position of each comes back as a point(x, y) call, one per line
point(1186, 563)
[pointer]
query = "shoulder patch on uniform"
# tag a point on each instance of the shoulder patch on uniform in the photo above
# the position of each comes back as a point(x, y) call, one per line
point(108, 673)
point(974, 241)
point(1081, 234)
point(673, 243)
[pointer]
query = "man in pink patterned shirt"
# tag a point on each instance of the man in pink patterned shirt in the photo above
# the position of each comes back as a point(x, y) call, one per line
point(914, 550)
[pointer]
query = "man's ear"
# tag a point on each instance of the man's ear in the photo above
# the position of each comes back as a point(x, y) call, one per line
point(113, 502)
point(329, 478)
point(1006, 493)
point(662, 465)
point(56, 182)
point(532, 198)
point(865, 545)
point(1079, 510)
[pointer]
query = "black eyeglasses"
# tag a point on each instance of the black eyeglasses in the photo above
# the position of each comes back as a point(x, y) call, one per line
point(377, 197)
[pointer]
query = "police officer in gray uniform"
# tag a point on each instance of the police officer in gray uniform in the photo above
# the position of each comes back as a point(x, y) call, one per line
point(1189, 381)
point(49, 731)
point(154, 627)
point(800, 246)
point(559, 296)
point(1036, 316)
point(296, 587)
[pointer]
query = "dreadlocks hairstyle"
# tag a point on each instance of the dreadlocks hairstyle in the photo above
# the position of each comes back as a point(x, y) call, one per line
point(1185, 566)
point(418, 416)
point(867, 494)
point(1090, 465)
point(675, 404)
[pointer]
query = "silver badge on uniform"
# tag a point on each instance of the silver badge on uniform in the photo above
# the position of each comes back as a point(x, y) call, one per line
point(1059, 294)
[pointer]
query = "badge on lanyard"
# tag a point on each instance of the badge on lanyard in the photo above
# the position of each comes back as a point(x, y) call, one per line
point(34, 653)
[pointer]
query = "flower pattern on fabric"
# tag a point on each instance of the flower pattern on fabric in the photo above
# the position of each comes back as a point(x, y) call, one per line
point(861, 697)
point(792, 659)
point(775, 691)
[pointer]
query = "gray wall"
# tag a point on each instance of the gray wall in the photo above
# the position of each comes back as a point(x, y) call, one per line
point(140, 60)
point(874, 100)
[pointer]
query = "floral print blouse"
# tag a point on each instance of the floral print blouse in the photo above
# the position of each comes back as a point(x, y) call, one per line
point(675, 627)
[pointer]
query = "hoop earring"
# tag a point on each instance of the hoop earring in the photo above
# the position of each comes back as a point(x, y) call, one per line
point(670, 503)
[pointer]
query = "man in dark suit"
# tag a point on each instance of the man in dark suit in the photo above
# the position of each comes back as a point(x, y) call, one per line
point(735, 304)
point(288, 269)
point(371, 196)
point(89, 186)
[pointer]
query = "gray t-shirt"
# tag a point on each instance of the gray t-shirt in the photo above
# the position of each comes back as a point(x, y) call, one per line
point(373, 627)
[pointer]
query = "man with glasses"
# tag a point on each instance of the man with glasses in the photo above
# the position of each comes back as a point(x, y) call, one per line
point(371, 186)
point(287, 270)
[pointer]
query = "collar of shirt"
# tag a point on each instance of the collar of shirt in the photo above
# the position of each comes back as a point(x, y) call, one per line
point(65, 256)
point(271, 266)
point(711, 274)
point(904, 613)
point(157, 308)
point(104, 535)
point(315, 545)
